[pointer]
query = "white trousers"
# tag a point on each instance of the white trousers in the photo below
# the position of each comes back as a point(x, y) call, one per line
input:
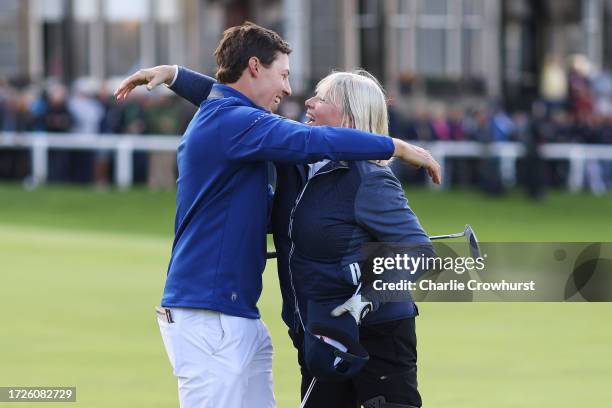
point(220, 361)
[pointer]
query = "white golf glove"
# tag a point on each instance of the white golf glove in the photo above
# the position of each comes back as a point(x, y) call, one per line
point(357, 305)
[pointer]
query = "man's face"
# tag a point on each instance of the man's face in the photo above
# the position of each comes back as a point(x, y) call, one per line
point(273, 83)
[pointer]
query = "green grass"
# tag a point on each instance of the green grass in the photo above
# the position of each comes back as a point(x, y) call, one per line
point(80, 272)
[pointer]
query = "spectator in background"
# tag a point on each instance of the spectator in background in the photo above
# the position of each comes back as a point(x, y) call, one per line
point(38, 111)
point(7, 95)
point(405, 129)
point(562, 128)
point(602, 92)
point(470, 124)
point(438, 123)
point(421, 124)
point(606, 137)
point(480, 126)
point(398, 127)
point(594, 169)
point(456, 124)
point(109, 124)
point(14, 117)
point(85, 108)
point(588, 124)
point(14, 109)
point(458, 170)
point(553, 83)
point(134, 122)
point(533, 132)
point(58, 119)
point(87, 112)
point(580, 92)
point(502, 128)
point(491, 128)
point(416, 128)
point(163, 117)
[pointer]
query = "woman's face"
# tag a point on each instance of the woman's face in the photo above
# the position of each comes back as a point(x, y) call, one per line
point(320, 112)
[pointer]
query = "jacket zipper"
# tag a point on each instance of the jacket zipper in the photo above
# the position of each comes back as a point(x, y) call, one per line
point(297, 201)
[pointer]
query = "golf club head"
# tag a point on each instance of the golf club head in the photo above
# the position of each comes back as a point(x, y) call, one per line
point(472, 241)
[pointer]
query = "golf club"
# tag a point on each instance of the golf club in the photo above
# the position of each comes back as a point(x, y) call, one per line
point(471, 239)
point(467, 232)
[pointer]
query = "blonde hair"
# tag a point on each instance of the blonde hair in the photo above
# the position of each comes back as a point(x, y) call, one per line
point(360, 98)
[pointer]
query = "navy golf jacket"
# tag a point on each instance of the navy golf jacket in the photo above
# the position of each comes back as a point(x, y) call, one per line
point(320, 225)
point(222, 201)
point(342, 207)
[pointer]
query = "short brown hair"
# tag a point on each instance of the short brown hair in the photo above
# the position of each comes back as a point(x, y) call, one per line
point(240, 43)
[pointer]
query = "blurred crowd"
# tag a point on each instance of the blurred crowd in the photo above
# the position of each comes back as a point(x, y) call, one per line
point(87, 108)
point(575, 106)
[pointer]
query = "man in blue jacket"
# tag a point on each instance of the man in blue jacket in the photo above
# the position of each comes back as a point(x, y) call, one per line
point(220, 350)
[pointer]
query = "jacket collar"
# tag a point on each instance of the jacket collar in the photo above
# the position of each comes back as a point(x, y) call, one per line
point(303, 170)
point(333, 165)
point(223, 91)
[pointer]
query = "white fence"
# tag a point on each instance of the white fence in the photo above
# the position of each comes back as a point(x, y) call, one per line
point(124, 145)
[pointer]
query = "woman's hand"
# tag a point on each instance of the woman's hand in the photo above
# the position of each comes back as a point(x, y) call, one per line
point(418, 157)
point(152, 77)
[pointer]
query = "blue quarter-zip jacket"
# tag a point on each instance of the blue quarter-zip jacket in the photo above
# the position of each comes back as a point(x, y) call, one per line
point(218, 253)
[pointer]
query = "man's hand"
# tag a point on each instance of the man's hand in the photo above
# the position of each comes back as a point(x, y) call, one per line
point(152, 77)
point(418, 157)
point(356, 306)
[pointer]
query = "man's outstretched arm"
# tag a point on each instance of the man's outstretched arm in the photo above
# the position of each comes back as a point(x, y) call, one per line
point(191, 85)
point(262, 136)
point(186, 83)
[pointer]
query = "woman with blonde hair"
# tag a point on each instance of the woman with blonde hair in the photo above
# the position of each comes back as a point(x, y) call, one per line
point(323, 213)
point(342, 207)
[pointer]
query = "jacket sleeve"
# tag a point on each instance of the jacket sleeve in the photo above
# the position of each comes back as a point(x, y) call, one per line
point(382, 210)
point(192, 86)
point(256, 135)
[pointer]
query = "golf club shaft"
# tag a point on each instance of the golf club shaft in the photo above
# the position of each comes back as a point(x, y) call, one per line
point(310, 387)
point(272, 255)
point(457, 235)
